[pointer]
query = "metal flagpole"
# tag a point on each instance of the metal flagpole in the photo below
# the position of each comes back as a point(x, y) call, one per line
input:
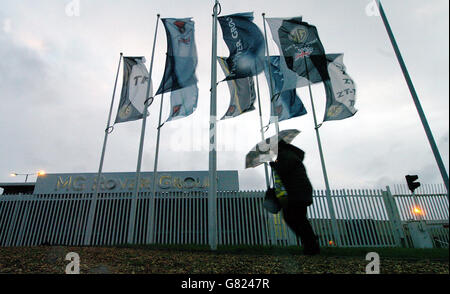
point(132, 218)
point(212, 193)
point(155, 168)
point(262, 131)
point(93, 206)
point(277, 127)
point(324, 170)
point(412, 90)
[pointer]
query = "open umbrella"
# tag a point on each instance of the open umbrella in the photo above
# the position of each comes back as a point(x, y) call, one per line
point(267, 150)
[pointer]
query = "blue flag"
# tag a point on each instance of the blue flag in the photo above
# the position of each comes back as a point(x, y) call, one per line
point(301, 48)
point(181, 60)
point(286, 104)
point(183, 102)
point(242, 93)
point(246, 44)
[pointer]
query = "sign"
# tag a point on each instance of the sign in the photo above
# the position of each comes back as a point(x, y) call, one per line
point(178, 181)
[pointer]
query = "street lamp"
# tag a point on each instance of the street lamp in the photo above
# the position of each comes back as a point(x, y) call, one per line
point(39, 173)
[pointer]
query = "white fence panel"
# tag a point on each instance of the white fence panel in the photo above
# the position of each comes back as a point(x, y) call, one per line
point(182, 218)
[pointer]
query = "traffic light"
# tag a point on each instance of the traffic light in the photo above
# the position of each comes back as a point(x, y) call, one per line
point(412, 185)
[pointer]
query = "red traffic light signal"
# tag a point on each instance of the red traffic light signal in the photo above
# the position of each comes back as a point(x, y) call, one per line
point(412, 185)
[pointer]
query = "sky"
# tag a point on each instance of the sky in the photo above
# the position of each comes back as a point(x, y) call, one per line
point(59, 61)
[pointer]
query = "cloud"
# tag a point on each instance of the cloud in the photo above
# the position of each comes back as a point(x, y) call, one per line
point(7, 25)
point(58, 72)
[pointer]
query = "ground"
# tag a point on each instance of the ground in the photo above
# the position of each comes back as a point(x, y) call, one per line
point(226, 260)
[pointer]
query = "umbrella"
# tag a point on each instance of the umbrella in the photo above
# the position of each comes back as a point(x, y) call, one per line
point(267, 150)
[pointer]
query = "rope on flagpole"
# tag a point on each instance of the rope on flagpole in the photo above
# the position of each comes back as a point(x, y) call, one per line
point(210, 89)
point(217, 5)
point(151, 99)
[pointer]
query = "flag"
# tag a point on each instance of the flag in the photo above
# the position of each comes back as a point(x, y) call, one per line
point(285, 104)
point(242, 93)
point(181, 59)
point(183, 102)
point(246, 44)
point(297, 40)
point(340, 90)
point(134, 89)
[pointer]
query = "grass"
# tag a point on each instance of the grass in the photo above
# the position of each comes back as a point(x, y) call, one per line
point(194, 259)
point(403, 253)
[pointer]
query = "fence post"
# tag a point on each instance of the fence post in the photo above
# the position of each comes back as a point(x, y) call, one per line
point(394, 218)
point(13, 222)
point(21, 233)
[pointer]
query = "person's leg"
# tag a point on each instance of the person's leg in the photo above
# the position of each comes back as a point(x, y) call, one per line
point(295, 217)
point(309, 239)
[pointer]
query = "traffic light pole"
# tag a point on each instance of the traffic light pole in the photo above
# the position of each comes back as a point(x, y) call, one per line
point(428, 132)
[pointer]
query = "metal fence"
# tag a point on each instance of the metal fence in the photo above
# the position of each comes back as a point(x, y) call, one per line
point(365, 218)
point(433, 208)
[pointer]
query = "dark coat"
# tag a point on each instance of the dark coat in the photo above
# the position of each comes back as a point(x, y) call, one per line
point(289, 166)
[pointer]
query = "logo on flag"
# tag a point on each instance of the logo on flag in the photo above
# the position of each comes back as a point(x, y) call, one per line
point(125, 112)
point(180, 26)
point(231, 110)
point(279, 109)
point(334, 110)
point(304, 52)
point(299, 34)
point(176, 110)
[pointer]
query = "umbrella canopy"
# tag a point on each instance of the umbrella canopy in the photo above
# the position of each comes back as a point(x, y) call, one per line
point(267, 150)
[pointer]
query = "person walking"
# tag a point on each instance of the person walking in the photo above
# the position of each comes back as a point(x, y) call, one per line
point(292, 173)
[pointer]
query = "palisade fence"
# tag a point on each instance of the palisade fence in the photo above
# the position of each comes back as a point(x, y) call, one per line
point(365, 218)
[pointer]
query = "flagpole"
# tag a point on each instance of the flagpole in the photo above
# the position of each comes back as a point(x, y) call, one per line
point(277, 127)
point(155, 168)
point(212, 192)
point(132, 218)
point(324, 170)
point(415, 97)
point(262, 131)
point(93, 206)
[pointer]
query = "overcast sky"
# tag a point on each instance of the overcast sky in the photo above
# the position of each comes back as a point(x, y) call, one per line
point(58, 65)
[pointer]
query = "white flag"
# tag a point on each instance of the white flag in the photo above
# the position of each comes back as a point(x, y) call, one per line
point(134, 88)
